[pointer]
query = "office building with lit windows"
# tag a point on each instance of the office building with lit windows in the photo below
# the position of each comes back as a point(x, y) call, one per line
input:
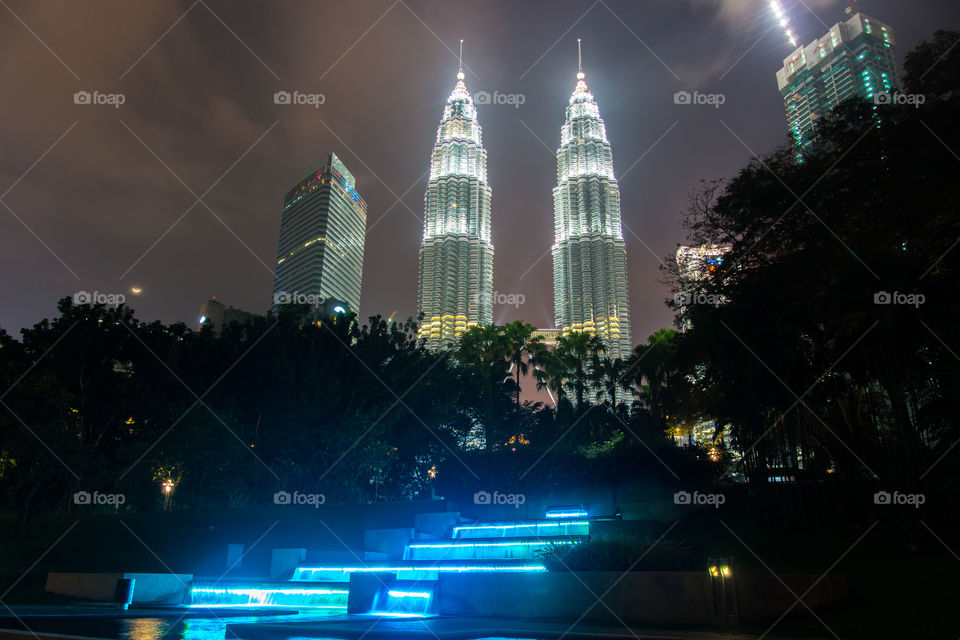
point(456, 255)
point(322, 231)
point(589, 254)
point(855, 58)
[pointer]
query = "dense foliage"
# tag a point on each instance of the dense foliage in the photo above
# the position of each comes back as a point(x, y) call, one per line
point(98, 400)
point(829, 340)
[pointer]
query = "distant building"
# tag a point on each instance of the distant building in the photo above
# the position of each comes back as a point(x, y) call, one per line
point(214, 314)
point(854, 58)
point(548, 337)
point(323, 227)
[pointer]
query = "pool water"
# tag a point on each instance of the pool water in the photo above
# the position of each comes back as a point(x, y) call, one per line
point(158, 628)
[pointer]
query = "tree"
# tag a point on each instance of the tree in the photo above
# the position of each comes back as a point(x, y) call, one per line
point(807, 355)
point(575, 354)
point(523, 350)
point(932, 68)
point(483, 353)
point(609, 376)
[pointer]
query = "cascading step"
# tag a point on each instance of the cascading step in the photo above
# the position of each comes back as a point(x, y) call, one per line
point(469, 549)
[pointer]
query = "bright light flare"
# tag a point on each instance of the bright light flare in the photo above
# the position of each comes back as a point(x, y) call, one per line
point(782, 19)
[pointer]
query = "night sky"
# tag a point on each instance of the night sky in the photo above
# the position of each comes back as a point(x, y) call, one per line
point(103, 199)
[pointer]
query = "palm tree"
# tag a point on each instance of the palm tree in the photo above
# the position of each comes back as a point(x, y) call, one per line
point(576, 352)
point(654, 369)
point(549, 372)
point(522, 349)
point(610, 375)
point(484, 352)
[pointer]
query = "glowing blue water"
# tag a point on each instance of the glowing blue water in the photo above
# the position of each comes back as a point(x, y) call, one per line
point(401, 601)
point(270, 595)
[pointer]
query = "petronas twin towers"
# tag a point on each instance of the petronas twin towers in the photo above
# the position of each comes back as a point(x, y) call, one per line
point(589, 255)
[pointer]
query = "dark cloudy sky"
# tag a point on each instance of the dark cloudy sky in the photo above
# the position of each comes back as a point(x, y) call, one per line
point(103, 198)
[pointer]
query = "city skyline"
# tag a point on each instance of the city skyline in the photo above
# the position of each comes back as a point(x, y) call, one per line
point(217, 128)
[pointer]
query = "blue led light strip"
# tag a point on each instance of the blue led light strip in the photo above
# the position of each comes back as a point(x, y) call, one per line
point(394, 593)
point(256, 605)
point(579, 513)
point(456, 545)
point(536, 525)
point(525, 567)
point(260, 592)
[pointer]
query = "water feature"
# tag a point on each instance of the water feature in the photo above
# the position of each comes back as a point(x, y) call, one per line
point(403, 599)
point(408, 586)
point(270, 595)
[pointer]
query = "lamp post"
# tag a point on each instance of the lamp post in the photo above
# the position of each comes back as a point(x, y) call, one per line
point(726, 598)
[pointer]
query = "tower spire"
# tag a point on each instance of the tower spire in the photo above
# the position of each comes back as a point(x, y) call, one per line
point(460, 75)
point(581, 87)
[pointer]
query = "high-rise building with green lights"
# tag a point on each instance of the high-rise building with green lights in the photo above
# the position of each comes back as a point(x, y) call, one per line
point(589, 255)
point(456, 255)
point(322, 231)
point(854, 58)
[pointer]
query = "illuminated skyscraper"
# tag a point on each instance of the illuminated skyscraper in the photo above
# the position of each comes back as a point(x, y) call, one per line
point(855, 58)
point(456, 256)
point(589, 255)
point(322, 231)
